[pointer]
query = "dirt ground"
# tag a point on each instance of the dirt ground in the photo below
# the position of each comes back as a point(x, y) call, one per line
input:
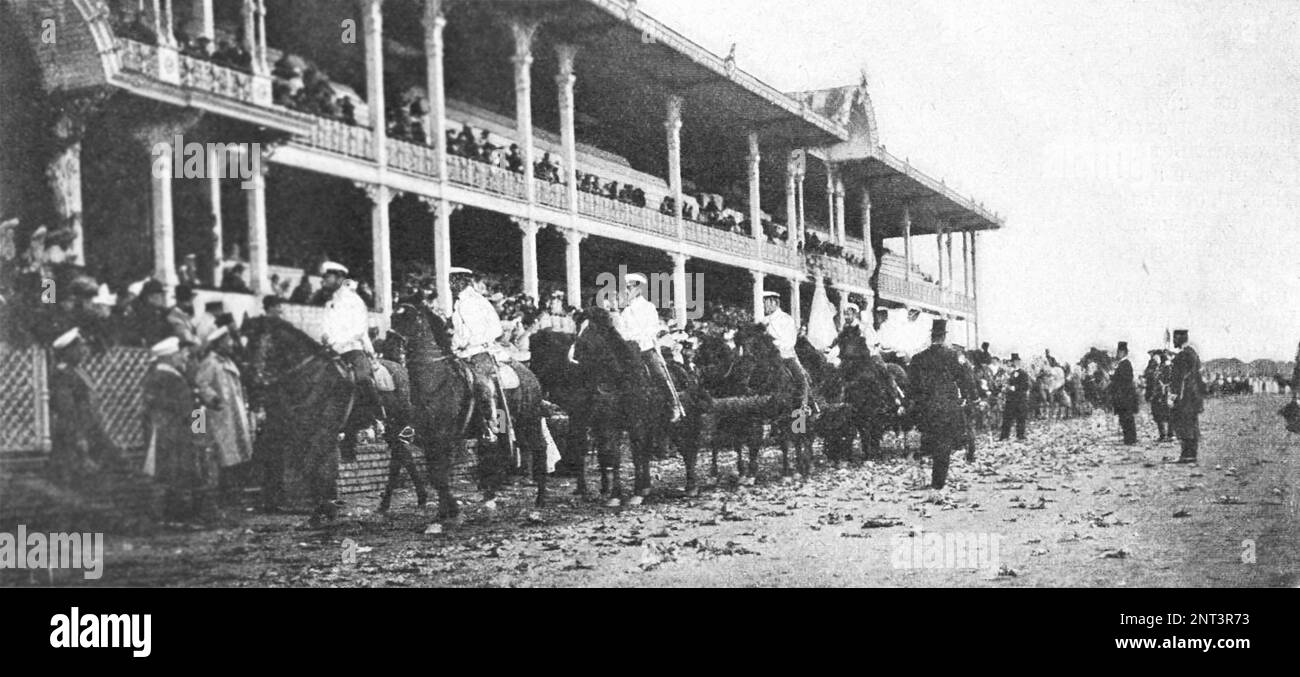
point(1069, 507)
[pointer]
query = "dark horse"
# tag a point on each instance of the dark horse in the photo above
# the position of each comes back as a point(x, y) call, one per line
point(308, 392)
point(443, 410)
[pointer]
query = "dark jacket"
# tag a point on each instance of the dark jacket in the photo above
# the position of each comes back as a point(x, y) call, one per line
point(1185, 382)
point(939, 386)
point(1018, 390)
point(1123, 391)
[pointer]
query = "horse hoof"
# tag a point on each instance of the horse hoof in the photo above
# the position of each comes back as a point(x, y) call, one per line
point(635, 501)
point(613, 503)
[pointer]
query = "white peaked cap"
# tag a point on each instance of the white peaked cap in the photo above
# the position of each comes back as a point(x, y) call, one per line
point(66, 338)
point(771, 294)
point(457, 270)
point(332, 267)
point(635, 278)
point(853, 306)
point(168, 346)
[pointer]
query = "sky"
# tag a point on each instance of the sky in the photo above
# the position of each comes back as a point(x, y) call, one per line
point(1145, 154)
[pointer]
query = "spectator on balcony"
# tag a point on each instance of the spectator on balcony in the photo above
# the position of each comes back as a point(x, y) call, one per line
point(487, 151)
point(188, 271)
point(638, 197)
point(710, 213)
point(688, 211)
point(419, 110)
point(399, 123)
point(468, 146)
point(233, 280)
point(453, 143)
point(347, 110)
point(515, 160)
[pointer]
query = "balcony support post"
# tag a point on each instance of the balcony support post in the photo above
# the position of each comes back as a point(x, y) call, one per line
point(564, 84)
point(216, 251)
point(868, 253)
point(434, 24)
point(679, 289)
point(673, 127)
point(523, 32)
point(372, 20)
point(758, 276)
point(841, 220)
point(907, 243)
point(796, 301)
point(573, 265)
point(529, 229)
point(380, 197)
point(755, 192)
point(258, 256)
point(164, 243)
point(832, 221)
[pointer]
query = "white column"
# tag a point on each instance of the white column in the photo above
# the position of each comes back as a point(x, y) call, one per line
point(965, 262)
point(679, 289)
point(975, 283)
point(907, 242)
point(573, 265)
point(523, 32)
point(673, 127)
point(832, 222)
point(841, 219)
point(528, 228)
point(758, 294)
point(372, 21)
point(938, 243)
point(796, 301)
point(380, 197)
point(868, 254)
point(248, 12)
point(803, 206)
point(952, 278)
point(202, 24)
point(434, 23)
point(564, 83)
point(164, 244)
point(791, 210)
point(215, 160)
point(442, 210)
point(755, 192)
point(260, 57)
point(168, 36)
point(259, 275)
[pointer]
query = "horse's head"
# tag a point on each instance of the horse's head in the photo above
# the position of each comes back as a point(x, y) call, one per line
point(273, 347)
point(418, 326)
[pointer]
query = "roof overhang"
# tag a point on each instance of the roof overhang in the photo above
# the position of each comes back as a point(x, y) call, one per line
point(894, 184)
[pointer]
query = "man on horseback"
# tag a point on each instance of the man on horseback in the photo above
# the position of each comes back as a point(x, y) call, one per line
point(346, 331)
point(784, 331)
point(639, 322)
point(475, 328)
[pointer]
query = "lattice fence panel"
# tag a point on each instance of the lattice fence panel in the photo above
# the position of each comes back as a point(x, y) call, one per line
point(19, 415)
point(116, 375)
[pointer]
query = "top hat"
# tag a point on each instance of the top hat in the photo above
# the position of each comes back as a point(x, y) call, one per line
point(1015, 357)
point(1122, 347)
point(1180, 333)
point(939, 328)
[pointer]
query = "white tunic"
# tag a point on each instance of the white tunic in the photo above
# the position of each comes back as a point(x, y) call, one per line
point(346, 325)
point(784, 332)
point(639, 322)
point(477, 325)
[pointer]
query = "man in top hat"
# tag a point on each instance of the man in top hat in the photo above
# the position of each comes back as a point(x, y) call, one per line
point(1123, 394)
point(940, 387)
point(181, 317)
point(346, 328)
point(179, 456)
point(475, 328)
point(80, 444)
point(1185, 381)
point(1017, 404)
point(639, 323)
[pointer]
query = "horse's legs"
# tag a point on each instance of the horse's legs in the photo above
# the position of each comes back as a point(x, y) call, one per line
point(689, 446)
point(395, 463)
point(437, 457)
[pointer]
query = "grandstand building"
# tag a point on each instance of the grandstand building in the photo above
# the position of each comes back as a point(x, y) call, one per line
point(383, 134)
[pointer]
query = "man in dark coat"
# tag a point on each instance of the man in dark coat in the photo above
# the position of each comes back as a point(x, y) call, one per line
point(79, 442)
point(1123, 394)
point(940, 388)
point(1017, 405)
point(1185, 381)
point(179, 456)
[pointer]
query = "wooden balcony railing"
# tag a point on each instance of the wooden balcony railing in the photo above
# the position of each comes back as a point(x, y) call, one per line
point(412, 158)
point(622, 213)
point(552, 194)
point(342, 138)
point(485, 177)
